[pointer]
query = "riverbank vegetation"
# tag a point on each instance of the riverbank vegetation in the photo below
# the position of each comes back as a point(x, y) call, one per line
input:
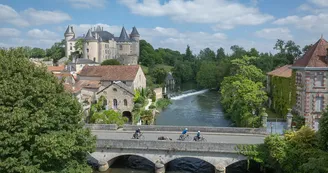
point(163, 103)
point(302, 151)
point(41, 128)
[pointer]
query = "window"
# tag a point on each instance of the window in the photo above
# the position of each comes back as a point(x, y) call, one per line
point(121, 47)
point(70, 43)
point(70, 48)
point(125, 102)
point(115, 104)
point(319, 80)
point(87, 50)
point(124, 82)
point(318, 104)
point(114, 89)
point(94, 59)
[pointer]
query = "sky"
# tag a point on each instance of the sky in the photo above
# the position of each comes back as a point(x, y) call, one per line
point(170, 24)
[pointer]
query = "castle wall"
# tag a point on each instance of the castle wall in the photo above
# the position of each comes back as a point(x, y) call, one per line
point(124, 48)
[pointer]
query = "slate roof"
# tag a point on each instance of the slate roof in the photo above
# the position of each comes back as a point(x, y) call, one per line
point(111, 72)
point(283, 71)
point(89, 36)
point(84, 61)
point(69, 30)
point(169, 77)
point(315, 56)
point(135, 32)
point(123, 36)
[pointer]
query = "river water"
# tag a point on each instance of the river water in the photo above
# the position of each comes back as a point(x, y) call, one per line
point(189, 108)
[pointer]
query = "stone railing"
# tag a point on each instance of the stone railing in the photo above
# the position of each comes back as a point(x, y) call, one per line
point(196, 128)
point(103, 144)
point(261, 131)
point(101, 126)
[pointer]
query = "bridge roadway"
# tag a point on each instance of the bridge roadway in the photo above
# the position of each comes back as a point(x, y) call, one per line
point(211, 137)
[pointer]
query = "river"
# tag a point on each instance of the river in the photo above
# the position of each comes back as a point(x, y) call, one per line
point(190, 108)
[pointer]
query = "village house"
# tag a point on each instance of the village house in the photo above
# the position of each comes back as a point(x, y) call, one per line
point(311, 72)
point(116, 83)
point(78, 63)
point(303, 85)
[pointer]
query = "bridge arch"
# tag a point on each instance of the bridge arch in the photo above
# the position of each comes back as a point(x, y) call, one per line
point(245, 165)
point(189, 164)
point(134, 161)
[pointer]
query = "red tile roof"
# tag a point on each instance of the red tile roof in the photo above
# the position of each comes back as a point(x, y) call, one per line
point(283, 71)
point(111, 72)
point(82, 84)
point(315, 56)
point(56, 68)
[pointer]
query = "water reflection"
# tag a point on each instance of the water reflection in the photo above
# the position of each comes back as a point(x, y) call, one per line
point(189, 165)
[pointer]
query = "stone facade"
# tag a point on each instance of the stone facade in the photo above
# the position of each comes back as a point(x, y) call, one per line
point(311, 83)
point(99, 45)
point(118, 97)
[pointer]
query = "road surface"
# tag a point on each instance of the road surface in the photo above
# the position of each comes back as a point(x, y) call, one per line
point(210, 137)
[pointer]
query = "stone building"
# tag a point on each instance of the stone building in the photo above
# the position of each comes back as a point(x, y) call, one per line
point(311, 72)
point(99, 45)
point(78, 63)
point(116, 83)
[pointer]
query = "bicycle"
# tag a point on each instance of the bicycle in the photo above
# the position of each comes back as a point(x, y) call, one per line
point(184, 137)
point(138, 136)
point(200, 139)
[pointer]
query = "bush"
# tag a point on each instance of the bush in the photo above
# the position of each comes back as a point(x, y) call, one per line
point(152, 107)
point(163, 103)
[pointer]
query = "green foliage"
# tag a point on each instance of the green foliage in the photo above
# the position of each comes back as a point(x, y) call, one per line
point(99, 106)
point(40, 122)
point(158, 75)
point(280, 91)
point(295, 152)
point(152, 106)
point(240, 97)
point(57, 51)
point(183, 72)
point(109, 117)
point(244, 67)
point(207, 54)
point(110, 62)
point(38, 53)
point(220, 55)
point(207, 76)
point(163, 103)
point(188, 56)
point(146, 117)
point(323, 131)
point(287, 50)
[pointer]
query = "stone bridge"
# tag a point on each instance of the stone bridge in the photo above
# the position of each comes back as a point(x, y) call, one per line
point(220, 155)
point(220, 150)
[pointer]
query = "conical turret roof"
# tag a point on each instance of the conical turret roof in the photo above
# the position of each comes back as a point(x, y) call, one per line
point(135, 32)
point(89, 36)
point(123, 36)
point(69, 30)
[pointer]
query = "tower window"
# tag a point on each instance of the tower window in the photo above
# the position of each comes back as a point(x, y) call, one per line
point(121, 47)
point(87, 50)
point(94, 59)
point(70, 48)
point(319, 104)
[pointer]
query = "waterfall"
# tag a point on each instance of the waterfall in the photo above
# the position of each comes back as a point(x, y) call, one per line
point(187, 94)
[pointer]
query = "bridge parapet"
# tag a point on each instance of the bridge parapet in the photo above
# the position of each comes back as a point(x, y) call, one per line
point(261, 131)
point(166, 146)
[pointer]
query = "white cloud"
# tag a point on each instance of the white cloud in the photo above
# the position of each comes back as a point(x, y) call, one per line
point(31, 16)
point(313, 23)
point(274, 33)
point(225, 14)
point(88, 3)
point(9, 32)
point(322, 3)
point(42, 34)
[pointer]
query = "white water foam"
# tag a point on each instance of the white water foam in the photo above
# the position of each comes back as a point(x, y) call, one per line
point(188, 94)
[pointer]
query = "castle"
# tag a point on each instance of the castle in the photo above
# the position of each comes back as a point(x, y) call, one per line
point(100, 45)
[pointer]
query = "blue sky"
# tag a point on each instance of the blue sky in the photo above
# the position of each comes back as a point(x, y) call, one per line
point(168, 23)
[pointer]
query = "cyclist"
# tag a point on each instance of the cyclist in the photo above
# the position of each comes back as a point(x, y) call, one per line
point(198, 135)
point(137, 133)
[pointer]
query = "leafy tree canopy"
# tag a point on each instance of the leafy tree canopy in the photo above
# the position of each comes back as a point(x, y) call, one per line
point(207, 76)
point(40, 122)
point(110, 62)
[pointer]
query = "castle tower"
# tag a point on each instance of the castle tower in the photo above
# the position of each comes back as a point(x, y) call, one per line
point(69, 34)
point(135, 36)
point(124, 43)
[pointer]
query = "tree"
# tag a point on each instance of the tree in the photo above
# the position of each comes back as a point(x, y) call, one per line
point(306, 48)
point(240, 98)
point(207, 76)
point(183, 72)
point(188, 56)
point(323, 131)
point(110, 62)
point(253, 52)
point(41, 123)
point(109, 117)
point(243, 66)
point(287, 50)
point(159, 74)
point(56, 51)
point(38, 53)
point(147, 54)
point(237, 51)
point(207, 54)
point(79, 47)
point(220, 54)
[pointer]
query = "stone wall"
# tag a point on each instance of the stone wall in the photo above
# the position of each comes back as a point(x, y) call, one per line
point(196, 128)
point(101, 126)
point(173, 146)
